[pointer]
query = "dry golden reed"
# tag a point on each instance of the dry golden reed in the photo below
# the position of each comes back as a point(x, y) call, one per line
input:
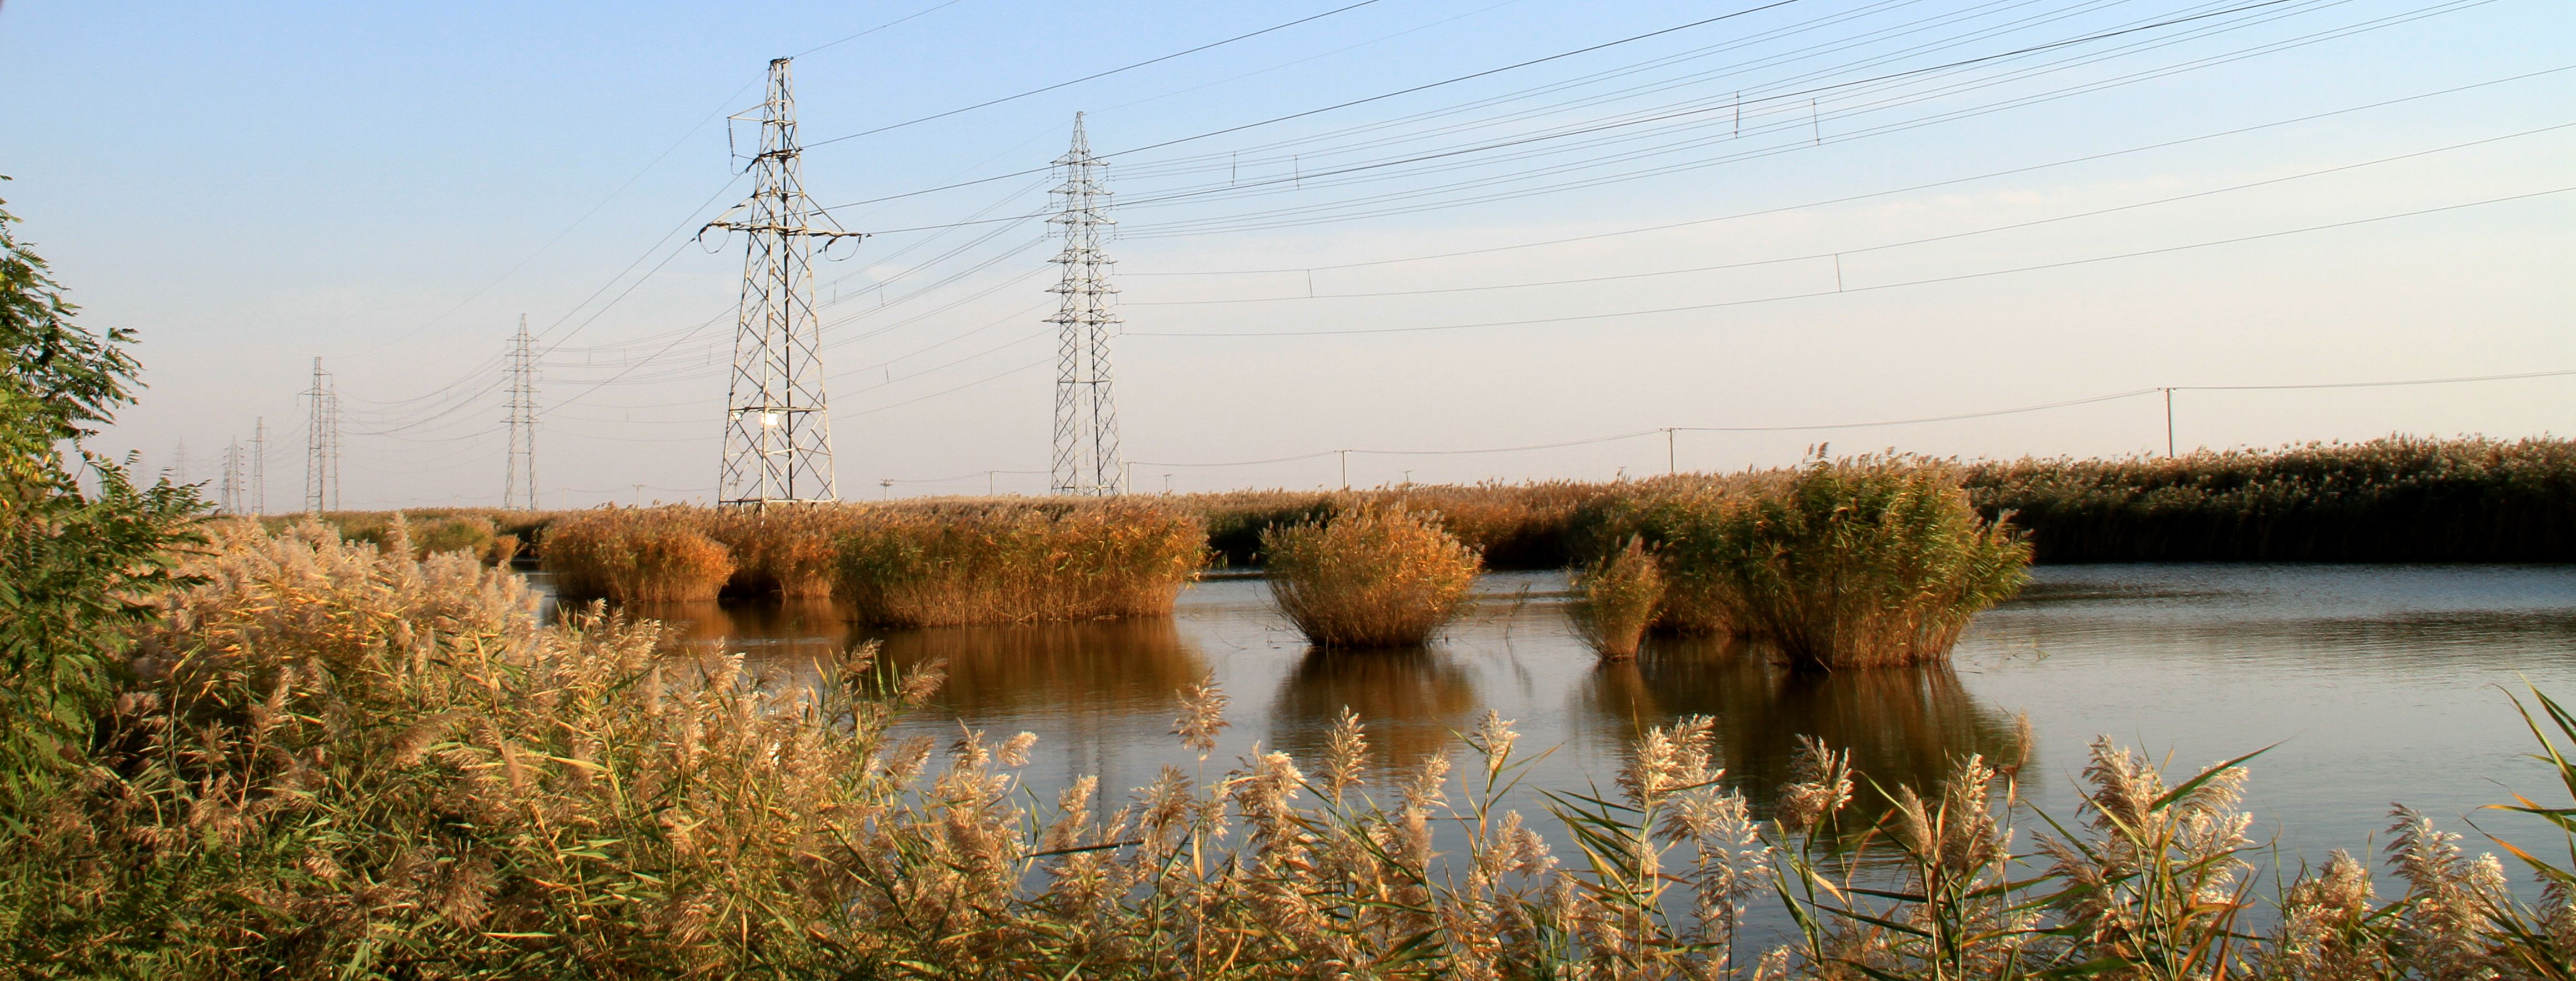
point(637, 555)
point(788, 551)
point(1615, 599)
point(1376, 576)
point(2396, 499)
point(1024, 563)
point(332, 761)
point(1857, 562)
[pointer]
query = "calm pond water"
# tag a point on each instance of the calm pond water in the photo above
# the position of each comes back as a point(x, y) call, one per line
point(2377, 683)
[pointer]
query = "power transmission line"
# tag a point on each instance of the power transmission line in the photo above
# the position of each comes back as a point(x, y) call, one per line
point(259, 466)
point(1835, 254)
point(1860, 289)
point(522, 421)
point(1094, 75)
point(1086, 416)
point(1345, 105)
point(322, 445)
point(1668, 226)
point(778, 428)
point(229, 499)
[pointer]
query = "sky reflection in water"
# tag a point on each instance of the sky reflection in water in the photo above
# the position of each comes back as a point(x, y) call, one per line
point(2379, 684)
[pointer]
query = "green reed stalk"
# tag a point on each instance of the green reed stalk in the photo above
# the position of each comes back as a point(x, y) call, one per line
point(1615, 599)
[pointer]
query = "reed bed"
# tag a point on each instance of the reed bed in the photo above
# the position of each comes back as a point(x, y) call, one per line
point(328, 760)
point(917, 567)
point(637, 555)
point(790, 552)
point(1615, 599)
point(1866, 561)
point(1376, 576)
point(2398, 499)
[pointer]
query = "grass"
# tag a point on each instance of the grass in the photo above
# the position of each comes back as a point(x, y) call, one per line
point(1376, 576)
point(328, 760)
point(1615, 599)
point(637, 555)
point(1027, 563)
point(2398, 499)
point(1867, 561)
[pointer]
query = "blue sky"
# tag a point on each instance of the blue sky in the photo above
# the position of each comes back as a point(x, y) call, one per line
point(389, 187)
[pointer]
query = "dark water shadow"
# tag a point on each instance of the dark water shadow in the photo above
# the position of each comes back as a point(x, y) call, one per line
point(1411, 699)
point(1126, 666)
point(1901, 725)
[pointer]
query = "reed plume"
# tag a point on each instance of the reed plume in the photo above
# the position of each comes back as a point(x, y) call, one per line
point(326, 753)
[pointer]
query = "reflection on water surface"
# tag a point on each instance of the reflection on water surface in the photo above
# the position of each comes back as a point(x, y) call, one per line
point(2378, 684)
point(1901, 726)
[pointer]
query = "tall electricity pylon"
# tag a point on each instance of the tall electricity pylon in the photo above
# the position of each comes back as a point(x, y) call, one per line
point(1086, 418)
point(322, 445)
point(778, 427)
point(230, 497)
point(523, 421)
point(259, 467)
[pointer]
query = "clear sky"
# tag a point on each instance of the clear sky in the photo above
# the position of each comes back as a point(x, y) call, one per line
point(391, 186)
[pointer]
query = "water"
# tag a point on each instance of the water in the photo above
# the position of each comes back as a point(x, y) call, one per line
point(2372, 685)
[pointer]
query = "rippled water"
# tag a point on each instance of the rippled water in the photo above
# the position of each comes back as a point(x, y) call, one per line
point(2377, 683)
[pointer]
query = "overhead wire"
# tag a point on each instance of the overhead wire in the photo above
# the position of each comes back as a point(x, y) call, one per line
point(2007, 172)
point(1095, 75)
point(1856, 289)
point(1856, 250)
point(1275, 219)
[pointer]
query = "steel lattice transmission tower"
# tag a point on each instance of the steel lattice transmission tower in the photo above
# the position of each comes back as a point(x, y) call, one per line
point(259, 466)
point(523, 421)
point(778, 427)
point(1086, 417)
point(322, 445)
point(232, 493)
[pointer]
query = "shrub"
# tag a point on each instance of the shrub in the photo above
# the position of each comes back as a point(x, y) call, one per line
point(1378, 576)
point(1615, 599)
point(918, 567)
point(1875, 560)
point(1860, 562)
point(636, 555)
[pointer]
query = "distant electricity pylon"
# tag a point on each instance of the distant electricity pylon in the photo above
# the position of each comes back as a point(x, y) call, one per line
point(523, 421)
point(1086, 418)
point(230, 497)
point(259, 466)
point(322, 445)
point(778, 427)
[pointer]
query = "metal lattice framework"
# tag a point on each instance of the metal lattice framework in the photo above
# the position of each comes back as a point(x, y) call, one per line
point(233, 492)
point(259, 466)
point(778, 426)
point(520, 488)
point(1086, 416)
point(322, 445)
